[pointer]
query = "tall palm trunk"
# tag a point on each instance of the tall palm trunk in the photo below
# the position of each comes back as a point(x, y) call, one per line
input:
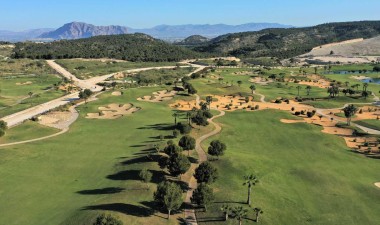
point(169, 214)
point(249, 195)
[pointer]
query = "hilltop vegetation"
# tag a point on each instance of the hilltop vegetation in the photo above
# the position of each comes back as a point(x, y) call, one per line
point(286, 43)
point(131, 47)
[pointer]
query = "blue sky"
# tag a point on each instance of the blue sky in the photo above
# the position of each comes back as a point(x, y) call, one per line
point(26, 14)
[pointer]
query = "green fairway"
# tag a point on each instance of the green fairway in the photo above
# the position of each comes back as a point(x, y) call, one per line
point(71, 178)
point(26, 131)
point(306, 177)
point(373, 124)
point(85, 69)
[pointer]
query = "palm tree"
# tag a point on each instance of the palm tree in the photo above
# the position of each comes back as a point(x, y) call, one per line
point(239, 82)
point(253, 88)
point(175, 115)
point(298, 88)
point(315, 70)
point(226, 209)
point(209, 100)
point(30, 94)
point(240, 213)
point(258, 211)
point(308, 88)
point(346, 83)
point(365, 86)
point(220, 79)
point(250, 180)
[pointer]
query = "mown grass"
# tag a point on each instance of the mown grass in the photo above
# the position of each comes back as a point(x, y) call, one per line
point(373, 124)
point(306, 177)
point(91, 169)
point(26, 131)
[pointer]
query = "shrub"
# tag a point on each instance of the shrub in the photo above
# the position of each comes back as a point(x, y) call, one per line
point(257, 107)
point(297, 113)
point(107, 220)
point(183, 128)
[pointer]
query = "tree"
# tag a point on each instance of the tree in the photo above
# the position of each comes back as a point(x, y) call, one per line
point(107, 220)
point(209, 100)
point(175, 115)
point(145, 176)
point(187, 143)
point(253, 88)
point(178, 164)
point(30, 94)
point(85, 94)
point(298, 88)
point(172, 149)
point(258, 212)
point(169, 196)
point(216, 148)
point(349, 112)
point(239, 213)
point(226, 209)
point(206, 173)
point(203, 195)
point(315, 70)
point(308, 88)
point(250, 180)
point(3, 125)
point(239, 82)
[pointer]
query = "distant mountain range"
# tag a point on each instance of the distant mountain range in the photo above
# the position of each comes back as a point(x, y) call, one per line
point(169, 32)
point(76, 30)
point(14, 36)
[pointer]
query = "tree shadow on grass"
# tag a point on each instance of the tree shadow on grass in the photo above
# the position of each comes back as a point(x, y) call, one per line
point(158, 126)
point(192, 159)
point(141, 159)
point(127, 209)
point(157, 177)
point(101, 191)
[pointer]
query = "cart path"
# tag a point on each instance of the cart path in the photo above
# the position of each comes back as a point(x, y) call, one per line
point(190, 216)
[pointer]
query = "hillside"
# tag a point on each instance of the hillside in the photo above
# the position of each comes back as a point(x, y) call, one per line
point(131, 47)
point(77, 30)
point(193, 40)
point(285, 43)
point(356, 47)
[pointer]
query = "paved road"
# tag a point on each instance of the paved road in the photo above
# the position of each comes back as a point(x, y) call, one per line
point(19, 117)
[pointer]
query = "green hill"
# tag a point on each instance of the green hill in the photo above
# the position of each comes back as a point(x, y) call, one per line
point(288, 42)
point(131, 47)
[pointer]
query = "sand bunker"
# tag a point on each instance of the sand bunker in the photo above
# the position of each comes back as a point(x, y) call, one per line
point(260, 80)
point(116, 93)
point(184, 105)
point(113, 111)
point(377, 184)
point(60, 120)
point(159, 96)
point(25, 83)
point(292, 121)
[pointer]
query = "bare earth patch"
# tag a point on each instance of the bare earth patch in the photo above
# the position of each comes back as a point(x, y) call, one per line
point(113, 111)
point(116, 93)
point(25, 83)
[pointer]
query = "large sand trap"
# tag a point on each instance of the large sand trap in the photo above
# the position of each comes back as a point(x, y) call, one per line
point(60, 120)
point(292, 121)
point(184, 105)
point(116, 93)
point(113, 111)
point(260, 80)
point(25, 83)
point(159, 96)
